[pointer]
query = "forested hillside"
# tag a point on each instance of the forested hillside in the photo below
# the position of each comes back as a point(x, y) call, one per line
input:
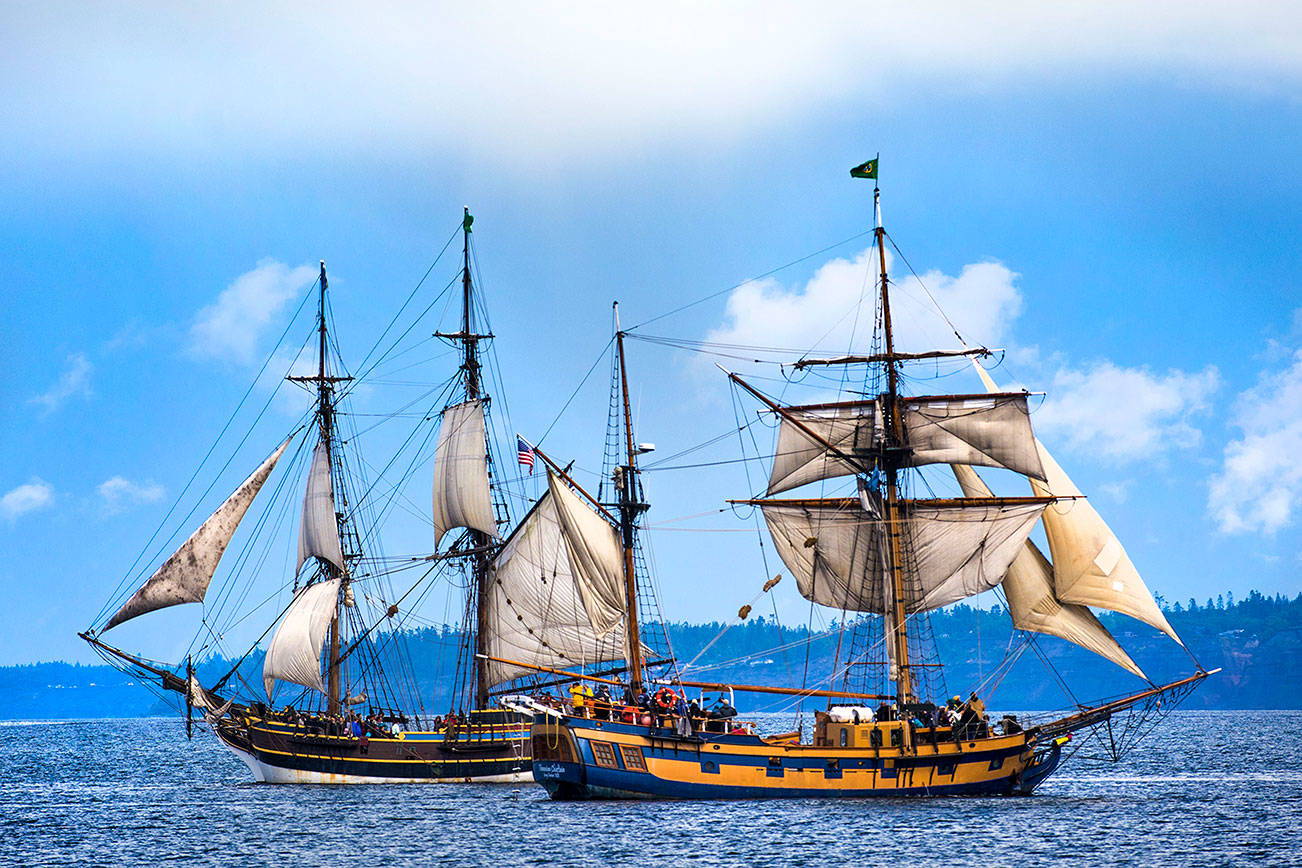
point(1257, 642)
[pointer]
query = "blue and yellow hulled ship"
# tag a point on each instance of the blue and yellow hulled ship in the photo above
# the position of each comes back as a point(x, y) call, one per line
point(880, 558)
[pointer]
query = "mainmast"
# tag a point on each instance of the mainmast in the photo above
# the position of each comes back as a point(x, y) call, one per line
point(479, 540)
point(896, 629)
point(630, 507)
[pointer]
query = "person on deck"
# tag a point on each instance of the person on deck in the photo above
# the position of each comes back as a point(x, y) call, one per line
point(601, 703)
point(580, 694)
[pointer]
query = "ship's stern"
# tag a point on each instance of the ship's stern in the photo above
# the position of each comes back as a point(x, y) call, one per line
point(557, 762)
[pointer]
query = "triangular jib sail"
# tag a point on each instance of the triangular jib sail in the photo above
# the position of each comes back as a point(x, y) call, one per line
point(1090, 567)
point(185, 576)
point(295, 651)
point(989, 430)
point(1028, 588)
point(461, 495)
point(318, 533)
point(556, 589)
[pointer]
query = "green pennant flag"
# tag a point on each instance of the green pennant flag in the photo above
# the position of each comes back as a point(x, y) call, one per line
point(466, 223)
point(865, 170)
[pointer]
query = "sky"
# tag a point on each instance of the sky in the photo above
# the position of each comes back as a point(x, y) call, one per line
point(1108, 194)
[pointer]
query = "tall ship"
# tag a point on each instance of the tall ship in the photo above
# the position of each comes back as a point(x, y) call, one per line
point(878, 558)
point(332, 697)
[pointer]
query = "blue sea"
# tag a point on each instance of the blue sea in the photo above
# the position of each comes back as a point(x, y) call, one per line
point(1205, 788)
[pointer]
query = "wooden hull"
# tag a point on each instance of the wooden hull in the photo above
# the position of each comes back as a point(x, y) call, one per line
point(576, 758)
point(493, 748)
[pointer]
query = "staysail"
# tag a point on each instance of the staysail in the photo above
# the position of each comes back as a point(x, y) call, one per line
point(318, 532)
point(556, 589)
point(1028, 587)
point(294, 654)
point(1090, 567)
point(839, 549)
point(461, 494)
point(988, 430)
point(185, 576)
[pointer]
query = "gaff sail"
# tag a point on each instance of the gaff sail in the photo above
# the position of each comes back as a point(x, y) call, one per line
point(556, 589)
point(185, 576)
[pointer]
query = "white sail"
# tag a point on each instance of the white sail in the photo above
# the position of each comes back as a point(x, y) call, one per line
point(840, 552)
point(185, 576)
point(1028, 587)
point(294, 654)
point(318, 532)
point(461, 494)
point(555, 592)
point(992, 431)
point(1090, 567)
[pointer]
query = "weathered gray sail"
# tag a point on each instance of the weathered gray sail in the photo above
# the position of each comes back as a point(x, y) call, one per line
point(294, 654)
point(555, 591)
point(461, 493)
point(185, 576)
point(840, 555)
point(1090, 566)
point(318, 531)
point(1028, 588)
point(988, 430)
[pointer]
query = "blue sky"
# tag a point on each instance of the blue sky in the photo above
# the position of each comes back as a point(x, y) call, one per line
point(1110, 195)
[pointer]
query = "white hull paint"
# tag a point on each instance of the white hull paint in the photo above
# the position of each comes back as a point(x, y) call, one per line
point(269, 774)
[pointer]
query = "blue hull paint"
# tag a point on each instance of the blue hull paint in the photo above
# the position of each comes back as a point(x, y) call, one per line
point(584, 780)
point(573, 781)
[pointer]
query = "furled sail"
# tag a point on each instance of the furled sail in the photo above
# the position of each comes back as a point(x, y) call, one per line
point(461, 494)
point(989, 430)
point(839, 550)
point(318, 532)
point(1028, 588)
point(1090, 568)
point(294, 654)
point(556, 589)
point(185, 577)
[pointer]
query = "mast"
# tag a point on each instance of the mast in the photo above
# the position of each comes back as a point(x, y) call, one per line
point(896, 629)
point(479, 541)
point(630, 506)
point(325, 397)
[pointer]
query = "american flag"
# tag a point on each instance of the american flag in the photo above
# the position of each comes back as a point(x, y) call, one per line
point(524, 452)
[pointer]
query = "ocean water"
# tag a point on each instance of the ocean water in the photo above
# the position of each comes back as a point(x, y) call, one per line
point(1205, 788)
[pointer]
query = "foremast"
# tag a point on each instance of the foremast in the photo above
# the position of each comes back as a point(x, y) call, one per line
point(326, 431)
point(882, 552)
point(896, 628)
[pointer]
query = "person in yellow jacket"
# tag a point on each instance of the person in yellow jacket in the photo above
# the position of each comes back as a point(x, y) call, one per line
point(580, 697)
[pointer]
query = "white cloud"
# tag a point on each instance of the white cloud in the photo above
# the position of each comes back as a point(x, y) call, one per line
point(833, 312)
point(31, 496)
point(1115, 413)
point(75, 382)
point(119, 493)
point(231, 326)
point(548, 76)
point(1260, 484)
point(1125, 414)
